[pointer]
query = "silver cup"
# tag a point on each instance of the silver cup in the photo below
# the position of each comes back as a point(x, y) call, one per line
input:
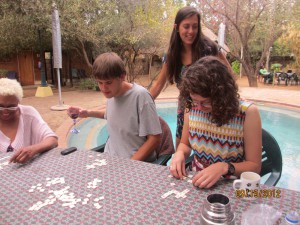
point(217, 210)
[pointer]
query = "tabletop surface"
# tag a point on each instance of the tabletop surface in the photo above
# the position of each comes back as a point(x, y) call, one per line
point(87, 187)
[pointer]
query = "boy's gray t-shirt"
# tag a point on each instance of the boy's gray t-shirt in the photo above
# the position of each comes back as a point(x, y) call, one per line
point(130, 118)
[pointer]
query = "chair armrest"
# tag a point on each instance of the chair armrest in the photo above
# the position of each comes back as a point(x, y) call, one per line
point(273, 179)
point(99, 148)
point(163, 159)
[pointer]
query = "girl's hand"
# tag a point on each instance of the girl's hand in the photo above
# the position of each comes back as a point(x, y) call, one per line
point(177, 166)
point(207, 177)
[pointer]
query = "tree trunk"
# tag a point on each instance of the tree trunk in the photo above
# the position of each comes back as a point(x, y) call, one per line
point(252, 80)
point(249, 70)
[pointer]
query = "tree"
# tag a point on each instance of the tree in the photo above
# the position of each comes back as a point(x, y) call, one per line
point(291, 38)
point(90, 27)
point(19, 24)
point(252, 26)
point(139, 28)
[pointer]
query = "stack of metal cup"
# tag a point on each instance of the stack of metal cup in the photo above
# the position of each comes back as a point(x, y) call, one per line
point(217, 210)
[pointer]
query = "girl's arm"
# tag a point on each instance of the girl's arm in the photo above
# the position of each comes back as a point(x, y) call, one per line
point(160, 82)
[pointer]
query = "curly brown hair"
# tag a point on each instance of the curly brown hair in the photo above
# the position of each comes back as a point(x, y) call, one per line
point(210, 78)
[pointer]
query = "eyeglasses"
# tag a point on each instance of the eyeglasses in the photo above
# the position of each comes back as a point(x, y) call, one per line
point(204, 104)
point(14, 108)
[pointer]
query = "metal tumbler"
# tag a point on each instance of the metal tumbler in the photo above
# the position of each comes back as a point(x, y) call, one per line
point(217, 210)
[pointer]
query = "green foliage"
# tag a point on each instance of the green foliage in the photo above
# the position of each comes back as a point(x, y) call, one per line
point(235, 66)
point(275, 67)
point(251, 27)
point(19, 23)
point(88, 84)
point(89, 27)
point(3, 73)
point(290, 40)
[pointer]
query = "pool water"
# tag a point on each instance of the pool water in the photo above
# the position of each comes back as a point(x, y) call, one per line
point(283, 124)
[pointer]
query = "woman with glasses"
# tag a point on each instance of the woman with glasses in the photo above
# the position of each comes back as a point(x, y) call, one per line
point(22, 129)
point(223, 131)
point(187, 45)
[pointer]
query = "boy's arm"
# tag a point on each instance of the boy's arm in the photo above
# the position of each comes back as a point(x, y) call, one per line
point(84, 113)
point(99, 113)
point(147, 148)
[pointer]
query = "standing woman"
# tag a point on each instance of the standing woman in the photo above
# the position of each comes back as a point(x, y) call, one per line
point(22, 129)
point(187, 45)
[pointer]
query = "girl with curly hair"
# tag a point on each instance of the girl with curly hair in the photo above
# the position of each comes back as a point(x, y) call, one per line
point(223, 130)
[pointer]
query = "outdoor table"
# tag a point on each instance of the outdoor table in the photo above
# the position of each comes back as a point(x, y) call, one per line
point(87, 187)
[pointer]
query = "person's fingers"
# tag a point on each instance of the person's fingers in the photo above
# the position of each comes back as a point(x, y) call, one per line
point(19, 157)
point(69, 109)
point(23, 159)
point(183, 168)
point(198, 179)
point(173, 170)
point(203, 183)
point(13, 158)
point(179, 171)
point(210, 184)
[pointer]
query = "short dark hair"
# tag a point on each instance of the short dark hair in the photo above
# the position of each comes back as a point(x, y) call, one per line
point(108, 66)
point(210, 78)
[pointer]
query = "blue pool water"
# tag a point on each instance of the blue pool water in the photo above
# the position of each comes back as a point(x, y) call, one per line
point(283, 124)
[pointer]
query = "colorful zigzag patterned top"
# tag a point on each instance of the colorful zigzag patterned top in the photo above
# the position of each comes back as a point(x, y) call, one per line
point(213, 144)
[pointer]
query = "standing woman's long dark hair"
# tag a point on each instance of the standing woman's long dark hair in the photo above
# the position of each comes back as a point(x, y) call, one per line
point(202, 45)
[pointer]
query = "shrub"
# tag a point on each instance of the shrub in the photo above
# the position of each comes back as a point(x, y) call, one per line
point(275, 67)
point(3, 73)
point(88, 84)
point(236, 66)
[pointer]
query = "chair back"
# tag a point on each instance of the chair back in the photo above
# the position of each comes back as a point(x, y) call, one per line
point(74, 73)
point(166, 147)
point(271, 158)
point(12, 75)
point(166, 142)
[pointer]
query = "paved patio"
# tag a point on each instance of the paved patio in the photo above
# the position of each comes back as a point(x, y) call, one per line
point(59, 121)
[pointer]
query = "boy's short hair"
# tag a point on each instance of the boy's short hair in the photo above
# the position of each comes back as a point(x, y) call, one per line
point(108, 66)
point(11, 87)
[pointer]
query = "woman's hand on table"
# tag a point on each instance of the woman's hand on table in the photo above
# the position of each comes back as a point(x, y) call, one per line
point(207, 177)
point(177, 166)
point(23, 155)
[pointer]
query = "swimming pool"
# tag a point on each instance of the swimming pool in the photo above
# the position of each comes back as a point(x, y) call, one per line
point(282, 123)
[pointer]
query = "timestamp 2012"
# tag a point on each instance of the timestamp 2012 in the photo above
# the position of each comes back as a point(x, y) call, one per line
point(258, 193)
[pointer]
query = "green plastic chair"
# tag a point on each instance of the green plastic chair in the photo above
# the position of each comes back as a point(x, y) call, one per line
point(271, 159)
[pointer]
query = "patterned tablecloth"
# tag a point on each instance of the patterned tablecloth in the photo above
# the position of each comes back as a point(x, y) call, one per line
point(87, 187)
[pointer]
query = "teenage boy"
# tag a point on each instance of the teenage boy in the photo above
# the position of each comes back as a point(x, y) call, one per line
point(132, 121)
